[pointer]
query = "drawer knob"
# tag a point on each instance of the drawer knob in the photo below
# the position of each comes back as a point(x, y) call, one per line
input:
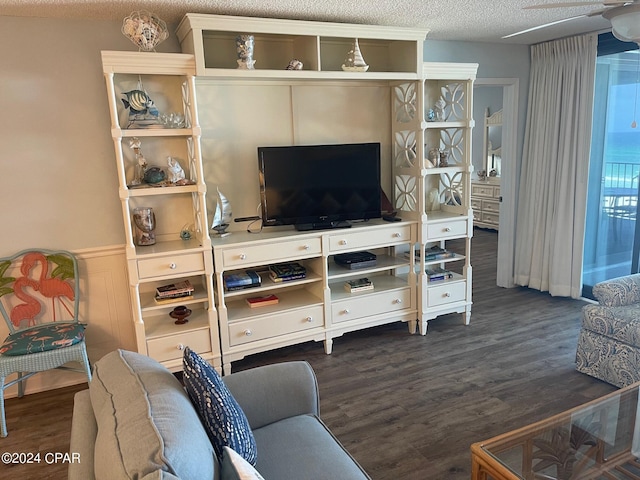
point(172, 266)
point(447, 229)
point(247, 332)
point(343, 242)
point(447, 294)
point(180, 346)
point(396, 235)
point(306, 247)
point(309, 319)
point(345, 311)
point(397, 301)
point(243, 256)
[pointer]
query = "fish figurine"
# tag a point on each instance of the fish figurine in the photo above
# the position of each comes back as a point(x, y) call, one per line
point(139, 103)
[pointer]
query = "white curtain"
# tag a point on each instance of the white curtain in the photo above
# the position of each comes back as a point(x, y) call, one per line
point(553, 180)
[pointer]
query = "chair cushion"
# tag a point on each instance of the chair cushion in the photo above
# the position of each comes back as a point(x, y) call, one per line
point(147, 427)
point(43, 338)
point(223, 418)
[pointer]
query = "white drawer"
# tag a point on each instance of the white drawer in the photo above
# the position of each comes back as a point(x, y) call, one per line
point(351, 309)
point(448, 229)
point(172, 347)
point(446, 293)
point(275, 325)
point(496, 192)
point(492, 218)
point(272, 253)
point(490, 206)
point(172, 265)
point(482, 190)
point(476, 203)
point(369, 238)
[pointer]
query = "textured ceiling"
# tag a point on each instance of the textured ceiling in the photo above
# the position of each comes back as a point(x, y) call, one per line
point(466, 20)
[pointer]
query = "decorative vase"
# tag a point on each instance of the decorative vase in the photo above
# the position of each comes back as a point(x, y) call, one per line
point(244, 49)
point(180, 314)
point(144, 221)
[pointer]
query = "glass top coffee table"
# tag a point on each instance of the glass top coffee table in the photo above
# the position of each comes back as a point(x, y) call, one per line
point(597, 440)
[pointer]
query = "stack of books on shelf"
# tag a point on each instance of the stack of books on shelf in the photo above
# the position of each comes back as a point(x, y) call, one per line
point(174, 291)
point(285, 272)
point(358, 285)
point(355, 260)
point(436, 273)
point(437, 253)
point(433, 253)
point(241, 280)
point(254, 302)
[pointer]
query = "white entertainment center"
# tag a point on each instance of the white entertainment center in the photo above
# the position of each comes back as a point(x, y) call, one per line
point(231, 113)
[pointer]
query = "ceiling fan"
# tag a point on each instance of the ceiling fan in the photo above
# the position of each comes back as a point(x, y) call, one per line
point(623, 15)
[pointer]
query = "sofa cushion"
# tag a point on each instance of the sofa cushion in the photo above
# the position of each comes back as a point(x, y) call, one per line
point(234, 467)
point(302, 447)
point(147, 426)
point(224, 420)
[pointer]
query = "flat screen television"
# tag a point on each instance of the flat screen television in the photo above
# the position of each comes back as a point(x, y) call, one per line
point(319, 186)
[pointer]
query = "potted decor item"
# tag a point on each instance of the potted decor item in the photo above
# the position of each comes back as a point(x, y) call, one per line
point(144, 221)
point(244, 49)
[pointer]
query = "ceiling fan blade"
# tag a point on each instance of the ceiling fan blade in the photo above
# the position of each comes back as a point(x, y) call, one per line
point(564, 5)
point(532, 29)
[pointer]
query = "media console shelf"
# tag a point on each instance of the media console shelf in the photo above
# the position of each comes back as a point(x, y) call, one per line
point(316, 307)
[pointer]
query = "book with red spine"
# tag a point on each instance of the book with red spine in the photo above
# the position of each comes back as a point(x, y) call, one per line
point(265, 300)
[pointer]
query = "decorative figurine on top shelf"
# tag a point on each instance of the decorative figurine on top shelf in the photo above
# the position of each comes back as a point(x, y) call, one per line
point(439, 109)
point(354, 61)
point(222, 215)
point(244, 48)
point(142, 110)
point(431, 115)
point(141, 162)
point(294, 64)
point(145, 29)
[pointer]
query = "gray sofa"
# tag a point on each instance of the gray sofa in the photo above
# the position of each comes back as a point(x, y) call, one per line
point(136, 421)
point(609, 342)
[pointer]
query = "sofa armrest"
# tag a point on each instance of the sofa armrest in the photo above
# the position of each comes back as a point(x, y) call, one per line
point(83, 437)
point(271, 393)
point(617, 292)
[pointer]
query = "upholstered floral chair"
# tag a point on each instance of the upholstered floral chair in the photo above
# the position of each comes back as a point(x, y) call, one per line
point(609, 341)
point(39, 297)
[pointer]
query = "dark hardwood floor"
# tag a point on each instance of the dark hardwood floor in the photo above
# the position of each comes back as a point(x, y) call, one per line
point(406, 406)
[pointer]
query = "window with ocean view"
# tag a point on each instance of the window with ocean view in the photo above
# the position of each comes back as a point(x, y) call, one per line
point(612, 242)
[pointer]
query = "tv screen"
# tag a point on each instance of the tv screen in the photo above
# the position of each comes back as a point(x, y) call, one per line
point(319, 186)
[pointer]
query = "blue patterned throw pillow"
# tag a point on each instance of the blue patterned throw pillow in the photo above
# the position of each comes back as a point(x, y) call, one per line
point(223, 419)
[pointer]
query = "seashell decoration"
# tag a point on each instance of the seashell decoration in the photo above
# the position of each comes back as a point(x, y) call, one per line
point(145, 30)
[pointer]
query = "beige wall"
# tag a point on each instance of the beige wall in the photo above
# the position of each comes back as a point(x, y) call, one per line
point(59, 183)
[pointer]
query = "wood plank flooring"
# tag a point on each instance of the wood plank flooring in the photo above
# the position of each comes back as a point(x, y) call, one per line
point(406, 406)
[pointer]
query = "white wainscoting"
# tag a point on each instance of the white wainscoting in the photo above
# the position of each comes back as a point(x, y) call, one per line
point(105, 307)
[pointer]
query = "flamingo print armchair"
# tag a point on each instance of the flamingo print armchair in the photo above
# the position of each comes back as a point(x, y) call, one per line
point(39, 297)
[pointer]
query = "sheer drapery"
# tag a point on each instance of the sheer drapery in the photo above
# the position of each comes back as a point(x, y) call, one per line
point(553, 179)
